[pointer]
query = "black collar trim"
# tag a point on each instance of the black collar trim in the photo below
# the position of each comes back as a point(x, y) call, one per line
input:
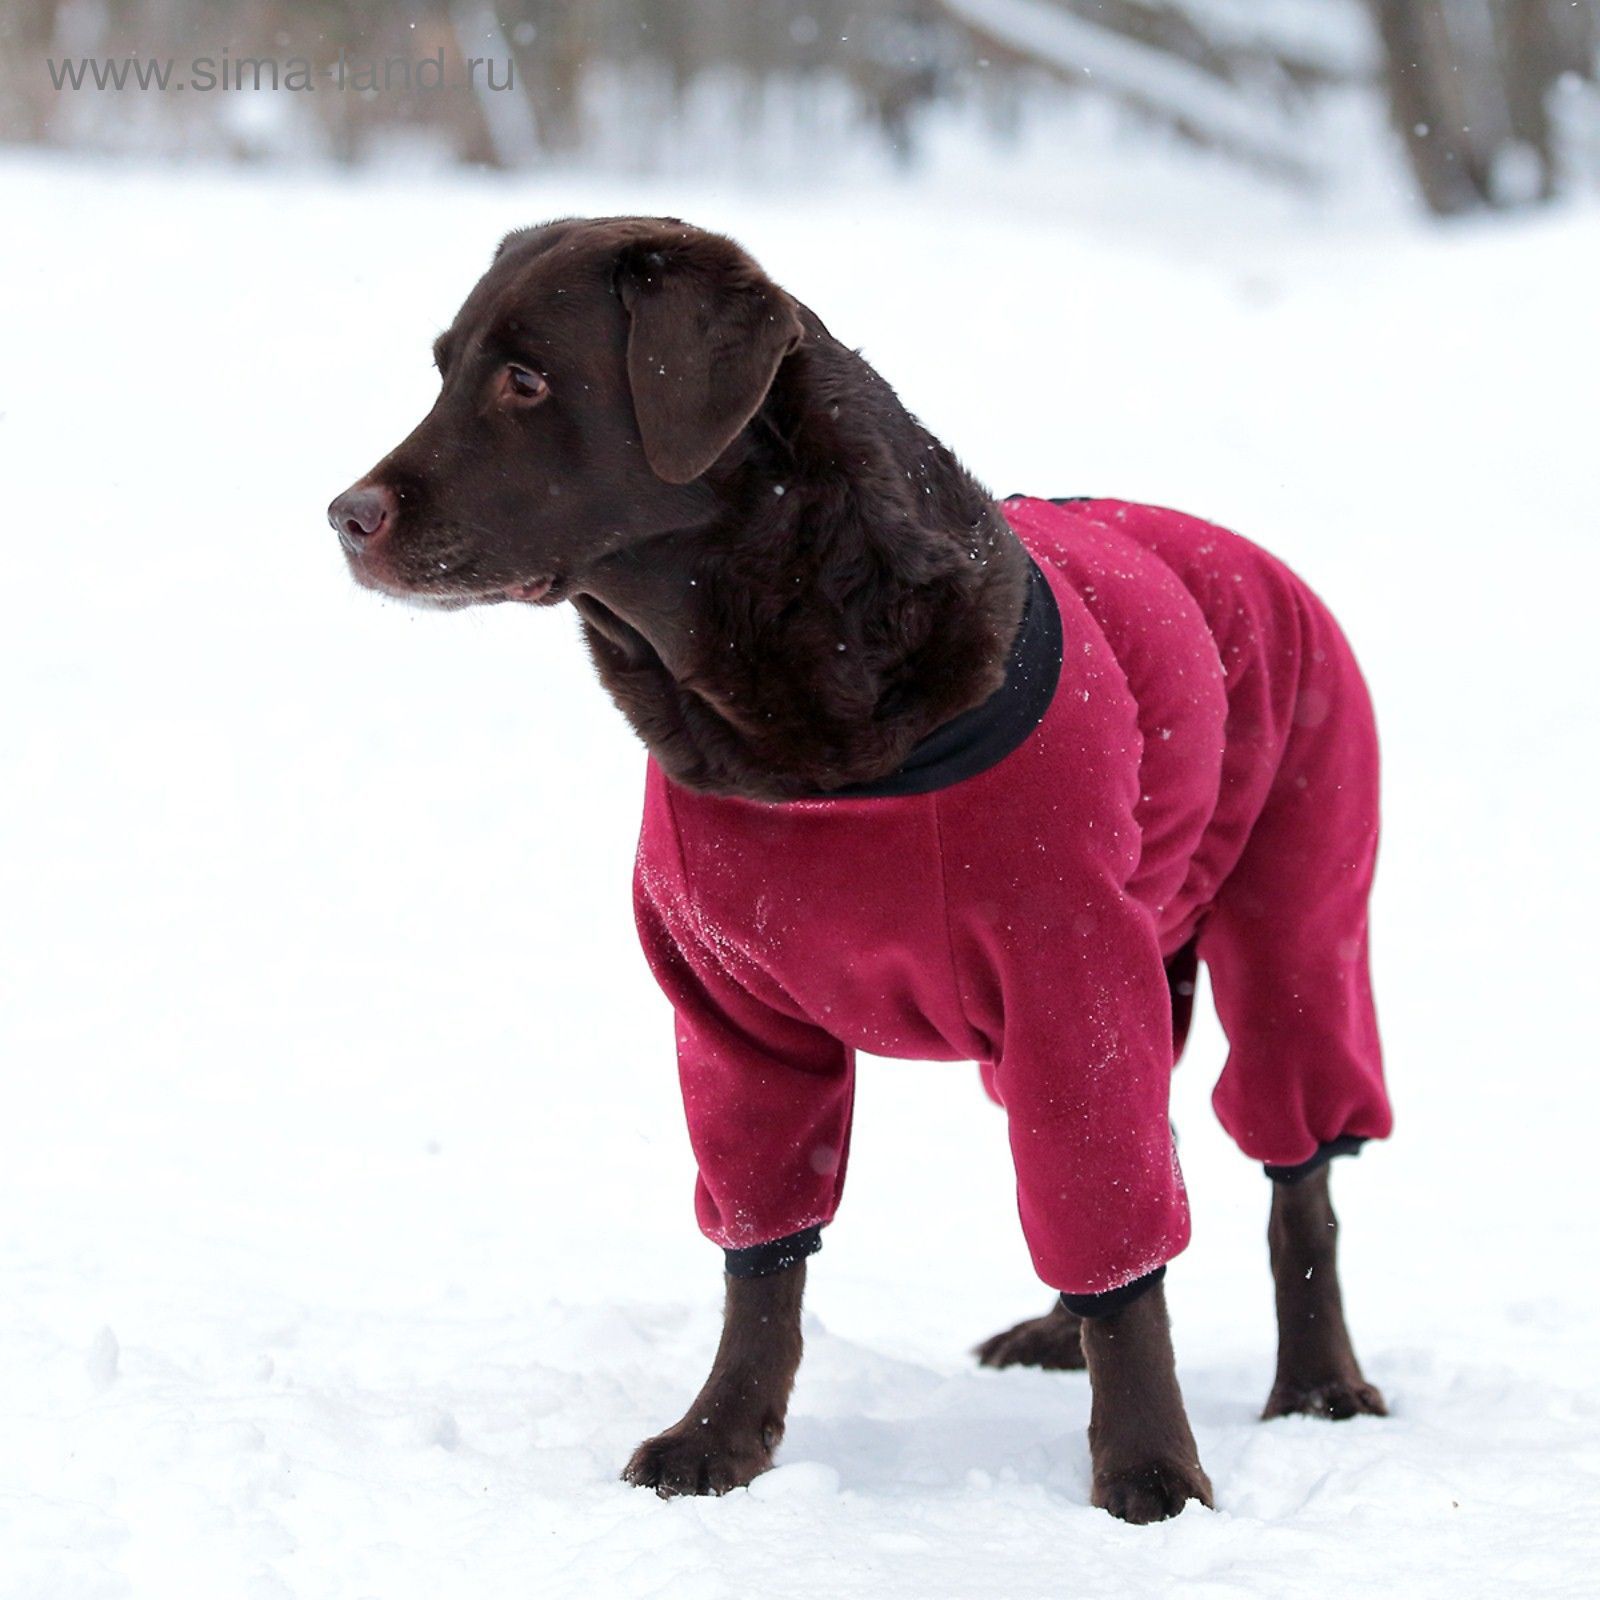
point(983, 737)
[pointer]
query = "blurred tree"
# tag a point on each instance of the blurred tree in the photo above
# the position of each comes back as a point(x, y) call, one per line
point(1470, 85)
point(1475, 88)
point(1229, 77)
point(27, 28)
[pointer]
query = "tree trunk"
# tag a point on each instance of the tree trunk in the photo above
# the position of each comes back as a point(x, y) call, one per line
point(1530, 62)
point(1469, 86)
point(1426, 105)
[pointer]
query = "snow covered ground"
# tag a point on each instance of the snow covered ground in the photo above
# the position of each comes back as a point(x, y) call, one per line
point(345, 1239)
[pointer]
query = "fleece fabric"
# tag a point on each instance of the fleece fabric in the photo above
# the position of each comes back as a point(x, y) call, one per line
point(1206, 770)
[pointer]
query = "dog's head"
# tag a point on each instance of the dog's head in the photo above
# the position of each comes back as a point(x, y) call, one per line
point(592, 378)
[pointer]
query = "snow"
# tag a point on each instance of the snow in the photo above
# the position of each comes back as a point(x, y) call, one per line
point(345, 1238)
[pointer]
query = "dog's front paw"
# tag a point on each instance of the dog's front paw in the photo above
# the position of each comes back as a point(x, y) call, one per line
point(1050, 1341)
point(1153, 1492)
point(1333, 1398)
point(692, 1459)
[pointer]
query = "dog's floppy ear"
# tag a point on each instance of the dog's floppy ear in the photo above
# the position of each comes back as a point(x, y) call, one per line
point(707, 332)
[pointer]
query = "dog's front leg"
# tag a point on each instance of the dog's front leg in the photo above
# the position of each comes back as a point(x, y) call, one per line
point(1145, 1462)
point(1318, 1374)
point(730, 1432)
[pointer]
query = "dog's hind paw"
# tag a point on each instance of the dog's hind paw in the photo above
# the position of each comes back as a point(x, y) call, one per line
point(688, 1459)
point(1153, 1492)
point(1335, 1398)
point(1050, 1341)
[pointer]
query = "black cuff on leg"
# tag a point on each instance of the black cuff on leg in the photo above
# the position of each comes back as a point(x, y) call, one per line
point(1102, 1305)
point(1348, 1144)
point(760, 1260)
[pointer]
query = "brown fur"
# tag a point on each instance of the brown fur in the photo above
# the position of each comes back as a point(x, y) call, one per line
point(1140, 1444)
point(831, 587)
point(1318, 1374)
point(729, 1433)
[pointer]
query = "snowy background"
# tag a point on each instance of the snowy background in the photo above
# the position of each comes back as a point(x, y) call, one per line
point(345, 1235)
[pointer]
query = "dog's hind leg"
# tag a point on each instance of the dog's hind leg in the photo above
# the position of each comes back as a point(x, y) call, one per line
point(1052, 1341)
point(727, 1437)
point(1183, 973)
point(1318, 1374)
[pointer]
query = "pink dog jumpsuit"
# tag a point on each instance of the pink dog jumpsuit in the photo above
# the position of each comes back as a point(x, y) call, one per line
point(1196, 769)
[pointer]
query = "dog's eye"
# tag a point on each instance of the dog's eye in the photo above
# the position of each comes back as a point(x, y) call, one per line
point(524, 384)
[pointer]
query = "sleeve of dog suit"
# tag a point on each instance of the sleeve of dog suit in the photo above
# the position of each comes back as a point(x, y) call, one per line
point(1075, 1000)
point(768, 1097)
point(1062, 975)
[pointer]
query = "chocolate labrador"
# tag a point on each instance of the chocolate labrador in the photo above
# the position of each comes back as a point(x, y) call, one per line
point(931, 775)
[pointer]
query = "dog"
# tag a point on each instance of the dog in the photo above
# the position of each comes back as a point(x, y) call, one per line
point(930, 775)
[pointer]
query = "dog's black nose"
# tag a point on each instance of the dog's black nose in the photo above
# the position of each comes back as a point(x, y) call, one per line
point(360, 513)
